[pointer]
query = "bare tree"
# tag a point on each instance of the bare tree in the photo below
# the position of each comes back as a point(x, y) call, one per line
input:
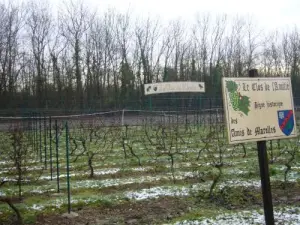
point(11, 25)
point(200, 34)
point(39, 24)
point(294, 58)
point(253, 43)
point(97, 64)
point(169, 47)
point(112, 57)
point(56, 48)
point(147, 34)
point(76, 20)
point(123, 34)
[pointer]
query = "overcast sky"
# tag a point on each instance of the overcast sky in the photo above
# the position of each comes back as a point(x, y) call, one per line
point(268, 14)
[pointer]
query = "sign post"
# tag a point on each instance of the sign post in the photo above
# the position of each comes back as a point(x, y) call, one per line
point(259, 109)
point(264, 174)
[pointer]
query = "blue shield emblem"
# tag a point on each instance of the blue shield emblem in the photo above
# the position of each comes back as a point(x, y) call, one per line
point(286, 121)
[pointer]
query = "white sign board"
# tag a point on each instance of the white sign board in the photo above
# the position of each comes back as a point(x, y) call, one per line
point(258, 109)
point(171, 87)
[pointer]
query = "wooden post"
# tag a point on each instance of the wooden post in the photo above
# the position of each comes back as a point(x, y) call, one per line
point(264, 173)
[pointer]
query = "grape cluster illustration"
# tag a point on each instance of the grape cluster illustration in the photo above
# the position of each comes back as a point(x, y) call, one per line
point(238, 102)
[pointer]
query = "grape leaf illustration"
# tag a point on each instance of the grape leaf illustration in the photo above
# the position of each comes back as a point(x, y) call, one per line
point(244, 104)
point(231, 86)
point(238, 102)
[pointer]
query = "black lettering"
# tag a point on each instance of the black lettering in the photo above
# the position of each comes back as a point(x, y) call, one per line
point(274, 104)
point(257, 87)
point(259, 105)
point(265, 130)
point(280, 86)
point(237, 133)
point(249, 131)
point(234, 121)
point(267, 87)
point(245, 87)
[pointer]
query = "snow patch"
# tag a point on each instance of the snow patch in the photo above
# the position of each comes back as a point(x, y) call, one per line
point(156, 192)
point(36, 207)
point(288, 215)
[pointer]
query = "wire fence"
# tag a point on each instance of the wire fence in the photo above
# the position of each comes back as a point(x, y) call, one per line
point(117, 118)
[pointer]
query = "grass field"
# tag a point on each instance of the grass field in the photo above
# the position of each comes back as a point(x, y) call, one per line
point(145, 175)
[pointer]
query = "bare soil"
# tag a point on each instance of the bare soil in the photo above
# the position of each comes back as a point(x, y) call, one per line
point(144, 212)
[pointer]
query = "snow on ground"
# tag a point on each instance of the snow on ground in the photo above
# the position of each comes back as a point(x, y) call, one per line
point(244, 183)
point(39, 191)
point(115, 182)
point(286, 215)
point(140, 169)
point(156, 192)
point(51, 187)
point(59, 202)
point(235, 171)
point(60, 176)
point(92, 183)
point(7, 179)
point(246, 217)
point(142, 194)
point(189, 150)
point(27, 168)
point(106, 171)
point(132, 180)
point(36, 207)
point(97, 172)
point(292, 176)
point(4, 171)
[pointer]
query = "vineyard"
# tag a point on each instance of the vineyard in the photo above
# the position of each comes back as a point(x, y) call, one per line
point(139, 167)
